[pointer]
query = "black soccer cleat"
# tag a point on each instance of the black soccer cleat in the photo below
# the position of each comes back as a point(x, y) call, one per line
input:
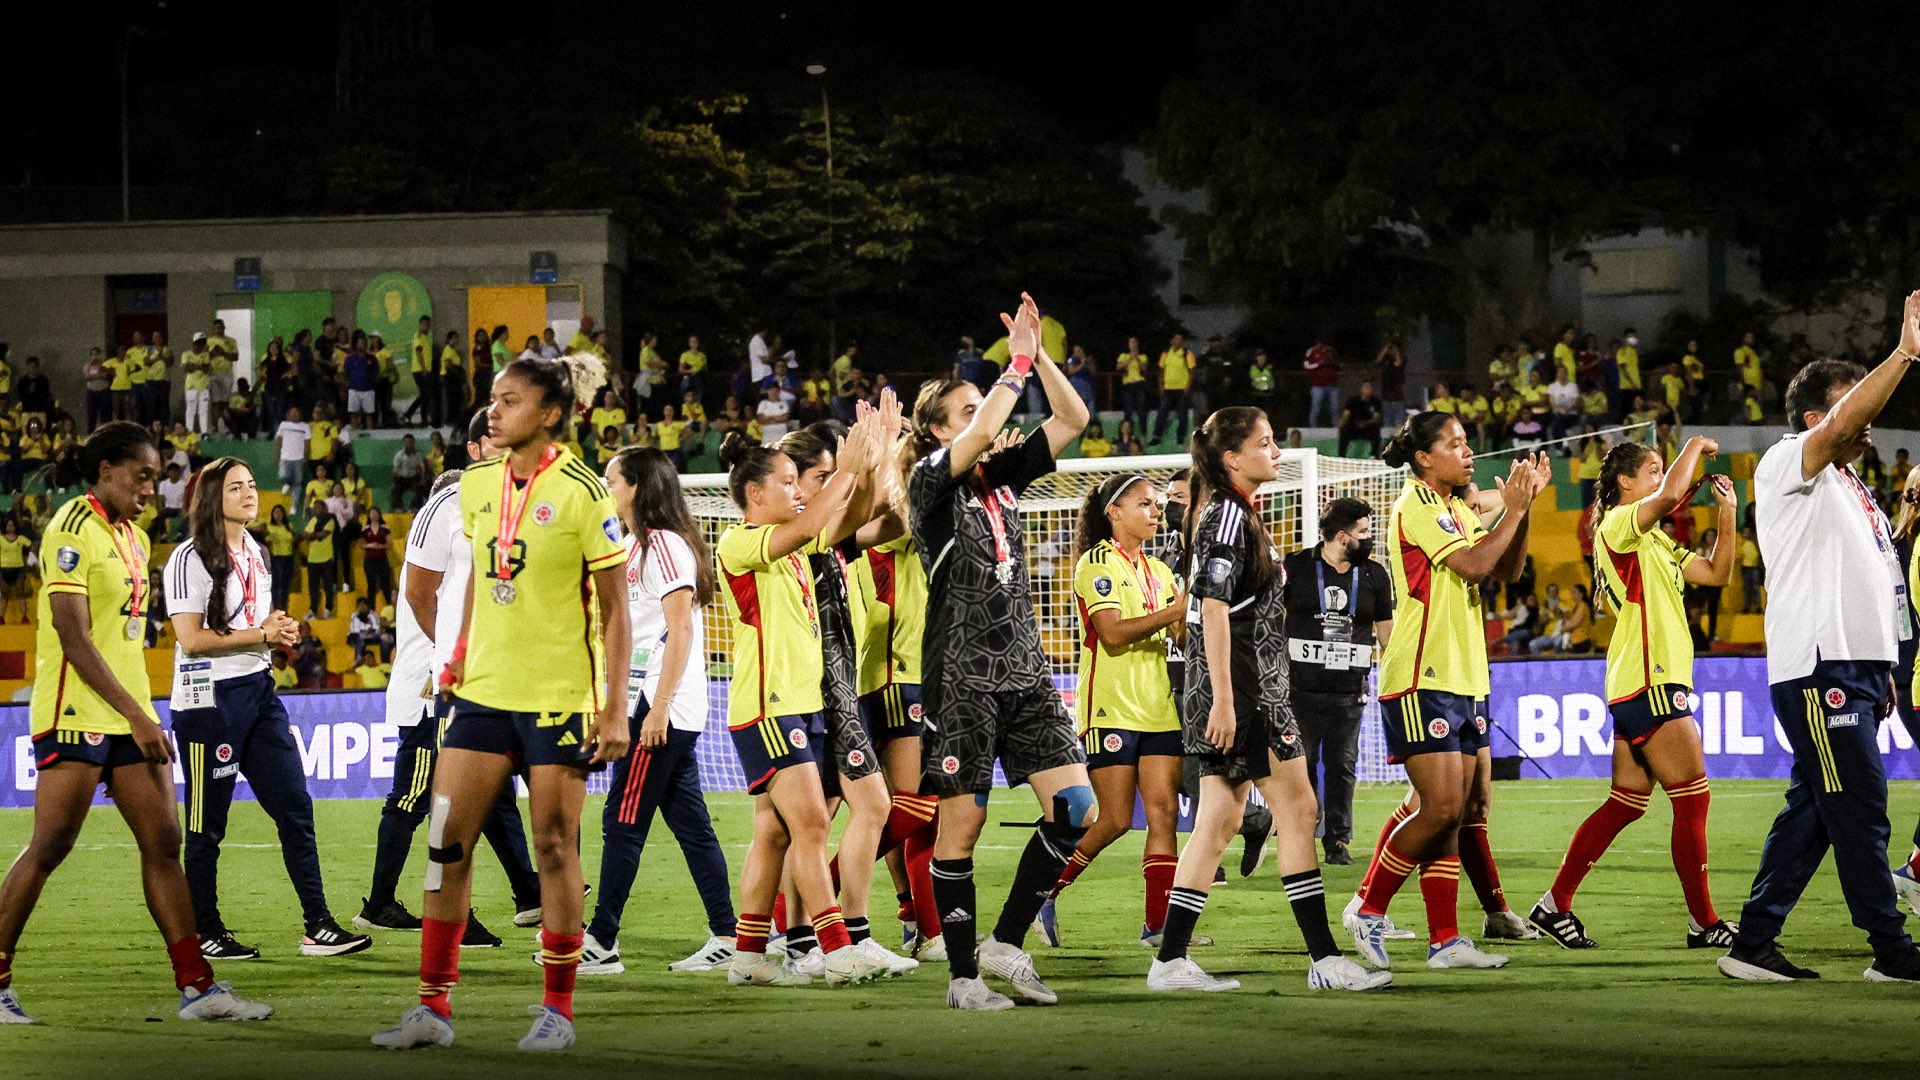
point(1902, 968)
point(389, 916)
point(1339, 853)
point(1564, 927)
point(324, 937)
point(1765, 964)
point(1255, 852)
point(478, 936)
point(221, 946)
point(1718, 936)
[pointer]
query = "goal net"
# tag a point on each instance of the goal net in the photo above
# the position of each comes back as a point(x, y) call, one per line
point(1049, 510)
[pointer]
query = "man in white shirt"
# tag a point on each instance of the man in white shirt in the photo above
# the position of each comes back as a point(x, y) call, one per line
point(1836, 614)
point(173, 495)
point(774, 411)
point(433, 590)
point(1564, 394)
point(757, 350)
point(291, 437)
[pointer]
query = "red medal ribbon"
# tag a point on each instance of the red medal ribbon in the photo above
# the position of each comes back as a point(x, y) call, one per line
point(511, 512)
point(1143, 577)
point(249, 581)
point(990, 504)
point(129, 555)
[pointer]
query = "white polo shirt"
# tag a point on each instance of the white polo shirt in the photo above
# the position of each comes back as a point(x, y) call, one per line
point(1834, 587)
point(435, 542)
point(190, 589)
point(667, 567)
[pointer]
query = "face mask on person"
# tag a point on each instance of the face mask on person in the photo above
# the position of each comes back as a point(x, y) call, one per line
point(1175, 515)
point(1631, 340)
point(1360, 550)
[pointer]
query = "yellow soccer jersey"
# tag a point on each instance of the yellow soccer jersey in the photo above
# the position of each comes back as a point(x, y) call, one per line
point(1640, 573)
point(79, 554)
point(1127, 687)
point(893, 586)
point(532, 645)
point(1439, 632)
point(778, 664)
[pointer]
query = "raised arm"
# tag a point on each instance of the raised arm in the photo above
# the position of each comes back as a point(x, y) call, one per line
point(1477, 561)
point(1717, 568)
point(1857, 409)
point(1674, 487)
point(853, 459)
point(1023, 339)
point(1069, 413)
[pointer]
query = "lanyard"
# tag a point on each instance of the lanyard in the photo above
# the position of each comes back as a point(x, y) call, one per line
point(129, 555)
point(1320, 583)
point(1143, 577)
point(511, 512)
point(636, 562)
point(1874, 517)
point(803, 574)
point(996, 522)
point(249, 581)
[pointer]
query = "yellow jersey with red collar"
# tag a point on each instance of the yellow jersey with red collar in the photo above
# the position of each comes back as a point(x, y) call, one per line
point(80, 554)
point(1439, 630)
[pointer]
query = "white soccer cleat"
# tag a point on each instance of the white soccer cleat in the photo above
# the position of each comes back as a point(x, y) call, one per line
point(550, 1032)
point(1340, 973)
point(930, 950)
point(1461, 952)
point(598, 959)
point(1905, 884)
point(1508, 926)
point(848, 966)
point(1350, 914)
point(1003, 961)
point(814, 963)
point(1370, 939)
point(420, 1028)
point(1183, 974)
point(10, 1010)
point(894, 964)
point(219, 1003)
point(717, 953)
point(975, 996)
point(761, 969)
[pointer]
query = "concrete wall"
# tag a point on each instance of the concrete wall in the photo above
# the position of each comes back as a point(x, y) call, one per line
point(53, 295)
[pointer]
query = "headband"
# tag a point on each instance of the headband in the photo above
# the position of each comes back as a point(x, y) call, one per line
point(1125, 483)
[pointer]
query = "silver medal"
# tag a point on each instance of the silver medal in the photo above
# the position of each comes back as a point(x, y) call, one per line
point(503, 593)
point(133, 629)
point(1005, 572)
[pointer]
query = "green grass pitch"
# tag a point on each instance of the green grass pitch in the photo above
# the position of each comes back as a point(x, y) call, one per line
point(92, 968)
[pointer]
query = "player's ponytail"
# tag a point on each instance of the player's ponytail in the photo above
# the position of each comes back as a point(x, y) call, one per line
point(747, 463)
point(206, 498)
point(929, 409)
point(1420, 431)
point(1623, 460)
point(563, 382)
point(659, 505)
point(1227, 430)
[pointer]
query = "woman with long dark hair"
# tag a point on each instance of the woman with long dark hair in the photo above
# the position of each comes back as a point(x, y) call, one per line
point(670, 582)
point(1641, 572)
point(93, 721)
point(543, 532)
point(1130, 607)
point(227, 715)
point(1434, 677)
point(1239, 716)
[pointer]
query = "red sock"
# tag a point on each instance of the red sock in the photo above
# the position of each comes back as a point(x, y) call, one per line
point(1690, 847)
point(6, 970)
point(1158, 870)
point(1390, 872)
point(750, 933)
point(919, 856)
point(1440, 888)
point(190, 967)
point(1080, 861)
point(833, 873)
point(1476, 858)
point(1400, 814)
point(909, 814)
point(1594, 836)
point(439, 963)
point(560, 963)
point(779, 918)
point(831, 929)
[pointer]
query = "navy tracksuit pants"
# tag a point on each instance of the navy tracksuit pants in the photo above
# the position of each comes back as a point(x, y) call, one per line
point(1837, 797)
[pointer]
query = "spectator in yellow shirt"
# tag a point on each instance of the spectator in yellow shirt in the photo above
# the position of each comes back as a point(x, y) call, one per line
point(1441, 399)
point(1094, 444)
point(1176, 376)
point(372, 672)
point(14, 549)
point(1695, 370)
point(1626, 360)
point(693, 369)
point(607, 413)
point(1752, 574)
point(1132, 366)
point(582, 339)
point(1563, 355)
point(1747, 361)
point(694, 413)
point(670, 434)
point(325, 436)
point(284, 677)
point(607, 445)
point(1750, 409)
point(1593, 404)
point(1673, 387)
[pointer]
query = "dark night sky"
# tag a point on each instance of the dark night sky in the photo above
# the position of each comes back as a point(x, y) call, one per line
point(1101, 74)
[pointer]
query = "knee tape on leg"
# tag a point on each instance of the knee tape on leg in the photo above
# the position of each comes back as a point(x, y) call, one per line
point(438, 855)
point(1072, 806)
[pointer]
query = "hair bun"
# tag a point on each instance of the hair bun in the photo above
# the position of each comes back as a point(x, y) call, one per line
point(1395, 452)
point(735, 449)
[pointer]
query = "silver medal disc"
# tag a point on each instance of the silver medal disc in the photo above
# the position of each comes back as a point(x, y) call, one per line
point(503, 593)
point(1005, 571)
point(133, 629)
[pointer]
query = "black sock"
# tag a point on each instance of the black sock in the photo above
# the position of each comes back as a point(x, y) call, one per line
point(859, 930)
point(1183, 914)
point(801, 940)
point(953, 893)
point(395, 840)
point(1046, 855)
point(1309, 899)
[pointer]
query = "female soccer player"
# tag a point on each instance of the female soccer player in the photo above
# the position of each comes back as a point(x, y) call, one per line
point(1129, 607)
point(670, 582)
point(227, 714)
point(775, 704)
point(850, 769)
point(1433, 677)
point(93, 722)
point(1239, 720)
point(987, 689)
point(1641, 572)
point(543, 531)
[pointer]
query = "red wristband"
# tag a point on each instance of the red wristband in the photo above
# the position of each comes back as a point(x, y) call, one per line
point(1021, 365)
point(459, 649)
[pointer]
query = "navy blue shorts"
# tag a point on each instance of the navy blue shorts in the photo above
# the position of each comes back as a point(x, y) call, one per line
point(527, 738)
point(88, 748)
point(1433, 722)
point(772, 743)
point(1635, 719)
point(1118, 746)
point(893, 712)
